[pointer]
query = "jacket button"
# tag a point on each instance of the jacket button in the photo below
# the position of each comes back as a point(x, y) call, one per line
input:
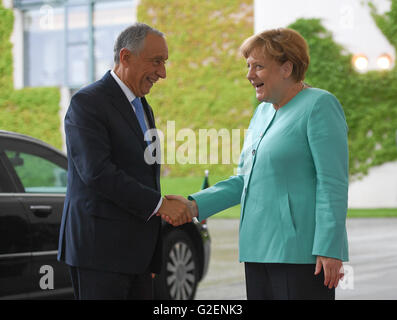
point(253, 152)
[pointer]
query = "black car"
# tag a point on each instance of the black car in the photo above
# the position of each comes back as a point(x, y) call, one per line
point(32, 192)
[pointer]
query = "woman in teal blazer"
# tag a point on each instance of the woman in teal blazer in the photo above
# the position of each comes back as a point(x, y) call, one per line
point(292, 179)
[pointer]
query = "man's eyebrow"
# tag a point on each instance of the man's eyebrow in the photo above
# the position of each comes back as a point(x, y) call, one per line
point(158, 58)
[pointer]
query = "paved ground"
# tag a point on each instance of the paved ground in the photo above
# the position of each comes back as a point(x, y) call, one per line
point(371, 272)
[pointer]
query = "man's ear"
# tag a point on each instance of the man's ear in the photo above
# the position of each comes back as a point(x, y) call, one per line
point(125, 56)
point(287, 68)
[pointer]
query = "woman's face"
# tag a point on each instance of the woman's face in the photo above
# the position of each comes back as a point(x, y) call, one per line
point(266, 75)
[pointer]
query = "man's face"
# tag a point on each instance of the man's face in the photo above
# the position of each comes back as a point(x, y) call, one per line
point(144, 69)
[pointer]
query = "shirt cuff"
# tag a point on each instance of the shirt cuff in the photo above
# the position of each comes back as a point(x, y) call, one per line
point(157, 209)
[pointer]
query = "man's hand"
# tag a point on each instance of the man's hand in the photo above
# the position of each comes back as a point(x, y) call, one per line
point(190, 204)
point(176, 210)
point(333, 270)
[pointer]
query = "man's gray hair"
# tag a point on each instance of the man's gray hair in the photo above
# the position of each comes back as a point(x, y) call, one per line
point(132, 39)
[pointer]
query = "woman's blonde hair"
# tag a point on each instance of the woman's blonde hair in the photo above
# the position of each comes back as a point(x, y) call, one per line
point(282, 45)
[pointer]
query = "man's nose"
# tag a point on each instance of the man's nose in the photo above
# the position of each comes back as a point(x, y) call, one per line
point(161, 72)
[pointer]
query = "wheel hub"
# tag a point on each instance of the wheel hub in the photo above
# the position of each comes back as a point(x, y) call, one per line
point(180, 273)
point(181, 268)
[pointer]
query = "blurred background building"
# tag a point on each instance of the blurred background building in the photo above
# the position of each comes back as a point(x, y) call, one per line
point(66, 42)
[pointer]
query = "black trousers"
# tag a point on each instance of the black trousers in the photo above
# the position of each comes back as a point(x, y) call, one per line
point(91, 284)
point(283, 281)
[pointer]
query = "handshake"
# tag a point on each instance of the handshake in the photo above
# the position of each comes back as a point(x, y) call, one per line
point(177, 210)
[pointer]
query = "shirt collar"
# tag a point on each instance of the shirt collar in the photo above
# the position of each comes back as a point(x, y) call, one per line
point(128, 93)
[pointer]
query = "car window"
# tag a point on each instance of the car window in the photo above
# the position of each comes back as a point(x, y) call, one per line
point(37, 174)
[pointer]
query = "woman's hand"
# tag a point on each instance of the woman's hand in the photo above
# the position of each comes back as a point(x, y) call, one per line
point(190, 204)
point(333, 270)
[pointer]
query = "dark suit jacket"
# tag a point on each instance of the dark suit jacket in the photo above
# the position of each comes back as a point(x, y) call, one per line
point(111, 190)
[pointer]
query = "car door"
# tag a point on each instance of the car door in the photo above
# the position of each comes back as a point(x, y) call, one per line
point(15, 254)
point(40, 174)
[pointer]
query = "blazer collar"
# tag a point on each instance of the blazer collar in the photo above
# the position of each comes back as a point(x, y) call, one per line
point(127, 91)
point(121, 103)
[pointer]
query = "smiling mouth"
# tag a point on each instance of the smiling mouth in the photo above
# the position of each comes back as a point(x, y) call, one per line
point(259, 85)
point(152, 82)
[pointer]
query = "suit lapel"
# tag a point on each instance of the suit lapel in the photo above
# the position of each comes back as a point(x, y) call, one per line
point(121, 103)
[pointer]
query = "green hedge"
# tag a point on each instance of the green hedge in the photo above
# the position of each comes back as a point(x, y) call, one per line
point(206, 85)
point(32, 111)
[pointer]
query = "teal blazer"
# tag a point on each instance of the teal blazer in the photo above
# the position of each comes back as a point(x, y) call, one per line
point(291, 182)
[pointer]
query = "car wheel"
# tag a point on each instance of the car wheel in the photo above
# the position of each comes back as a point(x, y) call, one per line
point(179, 276)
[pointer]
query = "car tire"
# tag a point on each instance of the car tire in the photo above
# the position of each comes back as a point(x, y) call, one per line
point(179, 276)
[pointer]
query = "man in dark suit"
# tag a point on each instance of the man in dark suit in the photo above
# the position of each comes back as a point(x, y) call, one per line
point(110, 231)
